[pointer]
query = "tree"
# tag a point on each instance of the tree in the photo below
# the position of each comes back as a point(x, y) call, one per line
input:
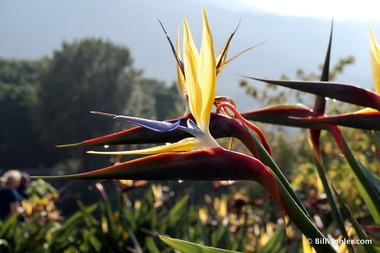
point(18, 145)
point(91, 75)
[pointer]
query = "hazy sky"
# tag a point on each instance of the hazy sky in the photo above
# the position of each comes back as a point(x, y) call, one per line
point(363, 10)
point(32, 29)
point(25, 22)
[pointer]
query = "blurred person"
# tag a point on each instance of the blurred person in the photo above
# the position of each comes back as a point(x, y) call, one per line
point(9, 197)
point(23, 187)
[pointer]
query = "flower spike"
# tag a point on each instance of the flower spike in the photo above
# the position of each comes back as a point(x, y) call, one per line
point(220, 59)
point(344, 92)
point(200, 84)
point(220, 127)
point(363, 120)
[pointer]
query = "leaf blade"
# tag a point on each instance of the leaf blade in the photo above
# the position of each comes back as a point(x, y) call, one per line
point(188, 247)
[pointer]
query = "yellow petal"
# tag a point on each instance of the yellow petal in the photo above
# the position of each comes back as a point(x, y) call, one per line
point(200, 79)
point(190, 41)
point(207, 74)
point(375, 61)
point(190, 59)
point(200, 74)
point(365, 110)
point(307, 248)
point(181, 78)
point(203, 215)
point(187, 144)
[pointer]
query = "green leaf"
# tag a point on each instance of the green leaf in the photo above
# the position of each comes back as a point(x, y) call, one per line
point(367, 185)
point(338, 218)
point(9, 226)
point(375, 137)
point(359, 231)
point(292, 204)
point(375, 181)
point(238, 242)
point(268, 160)
point(370, 202)
point(375, 243)
point(301, 220)
point(221, 236)
point(188, 247)
point(275, 243)
point(107, 216)
point(87, 217)
point(176, 213)
point(92, 241)
point(151, 245)
point(69, 225)
point(136, 243)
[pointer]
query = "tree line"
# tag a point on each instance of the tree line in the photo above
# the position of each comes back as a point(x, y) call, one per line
point(47, 102)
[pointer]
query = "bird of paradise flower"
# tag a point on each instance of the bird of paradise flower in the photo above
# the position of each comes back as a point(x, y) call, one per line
point(195, 152)
point(200, 157)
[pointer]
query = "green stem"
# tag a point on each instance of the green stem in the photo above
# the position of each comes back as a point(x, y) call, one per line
point(268, 161)
point(359, 231)
point(293, 205)
point(330, 198)
point(301, 220)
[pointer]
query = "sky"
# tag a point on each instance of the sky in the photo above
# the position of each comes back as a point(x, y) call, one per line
point(297, 33)
point(77, 14)
point(361, 11)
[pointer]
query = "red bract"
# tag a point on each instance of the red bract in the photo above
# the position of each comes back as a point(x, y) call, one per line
point(210, 165)
point(288, 115)
point(293, 117)
point(344, 92)
point(368, 120)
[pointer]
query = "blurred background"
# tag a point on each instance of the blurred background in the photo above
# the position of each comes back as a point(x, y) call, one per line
point(61, 59)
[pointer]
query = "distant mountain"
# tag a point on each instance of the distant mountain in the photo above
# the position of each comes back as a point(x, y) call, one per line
point(35, 28)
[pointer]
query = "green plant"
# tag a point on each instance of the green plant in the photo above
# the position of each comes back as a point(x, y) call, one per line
point(194, 154)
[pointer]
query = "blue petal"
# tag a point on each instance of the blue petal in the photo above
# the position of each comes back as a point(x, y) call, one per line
point(191, 124)
point(158, 126)
point(192, 128)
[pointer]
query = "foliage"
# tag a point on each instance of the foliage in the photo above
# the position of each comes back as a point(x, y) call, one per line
point(74, 80)
point(133, 225)
point(290, 148)
point(17, 94)
point(197, 75)
point(40, 98)
point(192, 153)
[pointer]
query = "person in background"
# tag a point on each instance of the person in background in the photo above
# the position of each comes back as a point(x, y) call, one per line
point(9, 198)
point(23, 187)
